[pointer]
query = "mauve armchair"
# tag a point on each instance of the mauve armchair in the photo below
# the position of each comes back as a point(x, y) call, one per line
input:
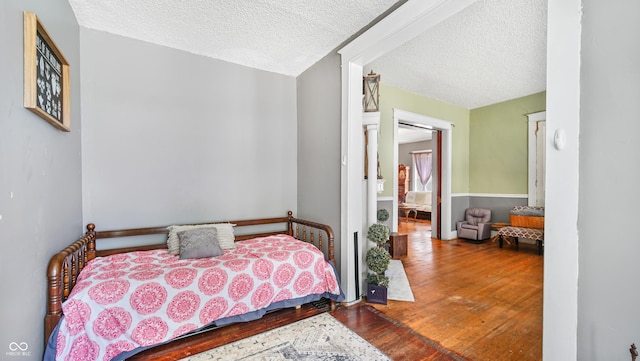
point(476, 226)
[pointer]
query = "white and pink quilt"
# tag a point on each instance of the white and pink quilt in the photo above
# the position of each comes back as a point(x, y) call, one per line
point(125, 301)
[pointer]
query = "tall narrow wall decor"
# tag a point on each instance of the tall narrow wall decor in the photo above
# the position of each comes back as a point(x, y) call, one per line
point(46, 75)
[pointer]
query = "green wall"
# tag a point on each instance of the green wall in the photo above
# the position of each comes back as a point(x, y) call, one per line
point(390, 98)
point(489, 143)
point(498, 145)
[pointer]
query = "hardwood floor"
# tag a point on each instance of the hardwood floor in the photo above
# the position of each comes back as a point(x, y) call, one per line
point(481, 301)
point(395, 339)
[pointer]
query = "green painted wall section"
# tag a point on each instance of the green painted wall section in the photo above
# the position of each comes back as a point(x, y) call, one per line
point(498, 145)
point(489, 143)
point(395, 98)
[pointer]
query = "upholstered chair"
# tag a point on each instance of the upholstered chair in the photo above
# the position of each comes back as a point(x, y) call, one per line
point(476, 226)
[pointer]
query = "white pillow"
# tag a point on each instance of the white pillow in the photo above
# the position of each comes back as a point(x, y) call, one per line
point(421, 198)
point(226, 237)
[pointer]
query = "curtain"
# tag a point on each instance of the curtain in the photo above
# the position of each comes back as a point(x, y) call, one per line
point(423, 166)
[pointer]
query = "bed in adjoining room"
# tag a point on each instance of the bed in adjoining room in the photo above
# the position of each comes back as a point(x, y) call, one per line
point(110, 303)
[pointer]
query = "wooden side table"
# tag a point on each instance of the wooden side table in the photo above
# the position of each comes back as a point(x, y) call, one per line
point(397, 245)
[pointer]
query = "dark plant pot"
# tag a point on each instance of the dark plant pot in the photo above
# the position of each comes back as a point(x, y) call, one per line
point(376, 294)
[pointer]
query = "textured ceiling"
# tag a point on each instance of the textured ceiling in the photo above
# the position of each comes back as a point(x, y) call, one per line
point(410, 135)
point(492, 51)
point(281, 36)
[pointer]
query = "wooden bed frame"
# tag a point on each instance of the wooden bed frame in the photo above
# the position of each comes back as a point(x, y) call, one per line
point(65, 265)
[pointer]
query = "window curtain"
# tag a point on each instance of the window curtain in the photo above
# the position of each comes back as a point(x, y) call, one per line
point(423, 166)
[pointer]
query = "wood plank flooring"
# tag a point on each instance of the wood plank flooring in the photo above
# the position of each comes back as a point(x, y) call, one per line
point(476, 299)
point(397, 341)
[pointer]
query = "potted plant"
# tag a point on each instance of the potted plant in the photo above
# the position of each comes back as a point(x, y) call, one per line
point(378, 259)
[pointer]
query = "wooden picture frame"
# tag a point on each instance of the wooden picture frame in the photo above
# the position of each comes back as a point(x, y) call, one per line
point(46, 75)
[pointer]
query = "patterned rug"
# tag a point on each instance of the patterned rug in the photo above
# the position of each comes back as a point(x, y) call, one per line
point(320, 337)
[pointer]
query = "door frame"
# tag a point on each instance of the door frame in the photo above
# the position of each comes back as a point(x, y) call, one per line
point(564, 36)
point(533, 135)
point(405, 23)
point(442, 215)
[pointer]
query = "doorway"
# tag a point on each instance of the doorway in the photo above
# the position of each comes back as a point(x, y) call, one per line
point(441, 194)
point(402, 25)
point(563, 104)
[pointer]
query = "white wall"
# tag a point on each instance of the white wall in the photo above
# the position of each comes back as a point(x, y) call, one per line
point(608, 292)
point(173, 137)
point(40, 177)
point(561, 212)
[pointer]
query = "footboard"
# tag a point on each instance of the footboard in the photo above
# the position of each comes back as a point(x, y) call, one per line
point(314, 233)
point(62, 274)
point(65, 266)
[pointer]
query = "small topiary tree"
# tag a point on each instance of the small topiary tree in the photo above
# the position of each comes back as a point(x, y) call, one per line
point(382, 215)
point(378, 257)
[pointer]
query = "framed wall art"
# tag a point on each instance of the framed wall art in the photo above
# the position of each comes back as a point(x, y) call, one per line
point(46, 75)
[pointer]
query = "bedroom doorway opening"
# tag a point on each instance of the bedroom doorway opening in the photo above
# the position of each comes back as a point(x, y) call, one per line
point(405, 23)
point(563, 101)
point(441, 167)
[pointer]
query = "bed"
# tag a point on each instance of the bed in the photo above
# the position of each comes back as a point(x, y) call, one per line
point(108, 303)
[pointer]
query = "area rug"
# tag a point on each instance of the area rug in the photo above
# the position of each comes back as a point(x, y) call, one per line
point(399, 288)
point(320, 337)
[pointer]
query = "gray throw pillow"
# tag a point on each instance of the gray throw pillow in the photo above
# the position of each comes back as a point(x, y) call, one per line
point(199, 243)
point(226, 237)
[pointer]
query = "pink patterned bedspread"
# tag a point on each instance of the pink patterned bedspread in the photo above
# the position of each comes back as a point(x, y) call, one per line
point(124, 301)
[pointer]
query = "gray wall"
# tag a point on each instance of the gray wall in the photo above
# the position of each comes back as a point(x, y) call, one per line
point(387, 204)
point(40, 177)
point(608, 293)
point(404, 149)
point(499, 206)
point(319, 124)
point(172, 137)
point(458, 205)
